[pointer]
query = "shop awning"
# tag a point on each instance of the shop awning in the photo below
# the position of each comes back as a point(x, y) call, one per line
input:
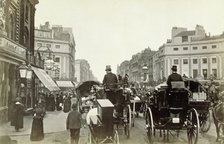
point(45, 79)
point(65, 84)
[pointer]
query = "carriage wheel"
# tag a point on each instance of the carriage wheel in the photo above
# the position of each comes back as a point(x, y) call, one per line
point(149, 125)
point(133, 112)
point(116, 138)
point(129, 115)
point(145, 110)
point(205, 122)
point(192, 127)
point(127, 130)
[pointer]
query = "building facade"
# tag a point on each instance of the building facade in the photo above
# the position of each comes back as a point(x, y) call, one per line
point(193, 52)
point(83, 71)
point(57, 46)
point(139, 68)
point(16, 47)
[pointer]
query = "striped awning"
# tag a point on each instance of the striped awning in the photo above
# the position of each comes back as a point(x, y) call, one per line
point(45, 79)
point(65, 84)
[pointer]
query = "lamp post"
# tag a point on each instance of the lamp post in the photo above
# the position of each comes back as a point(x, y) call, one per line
point(25, 73)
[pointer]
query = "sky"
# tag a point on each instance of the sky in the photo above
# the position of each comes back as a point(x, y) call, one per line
point(107, 32)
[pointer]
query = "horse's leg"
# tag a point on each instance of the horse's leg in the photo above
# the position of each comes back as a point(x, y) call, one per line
point(216, 126)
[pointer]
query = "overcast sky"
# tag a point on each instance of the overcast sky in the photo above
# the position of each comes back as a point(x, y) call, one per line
point(108, 32)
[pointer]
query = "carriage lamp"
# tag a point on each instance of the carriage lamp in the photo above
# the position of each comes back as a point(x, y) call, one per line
point(23, 70)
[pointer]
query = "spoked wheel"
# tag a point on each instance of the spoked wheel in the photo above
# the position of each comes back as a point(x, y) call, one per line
point(128, 122)
point(116, 138)
point(192, 127)
point(144, 110)
point(149, 125)
point(133, 113)
point(205, 122)
point(127, 130)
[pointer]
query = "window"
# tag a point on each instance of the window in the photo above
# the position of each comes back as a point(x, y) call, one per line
point(39, 44)
point(195, 48)
point(214, 72)
point(195, 61)
point(57, 46)
point(204, 47)
point(204, 61)
point(213, 60)
point(184, 38)
point(213, 46)
point(185, 61)
point(175, 49)
point(175, 61)
point(195, 73)
point(57, 59)
point(48, 45)
point(205, 73)
point(185, 48)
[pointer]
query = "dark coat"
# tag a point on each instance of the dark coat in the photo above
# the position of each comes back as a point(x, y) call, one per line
point(173, 77)
point(18, 113)
point(67, 105)
point(110, 81)
point(37, 131)
point(74, 120)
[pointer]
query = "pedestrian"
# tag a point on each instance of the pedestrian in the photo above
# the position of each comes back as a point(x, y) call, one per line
point(37, 131)
point(73, 123)
point(58, 107)
point(67, 104)
point(18, 113)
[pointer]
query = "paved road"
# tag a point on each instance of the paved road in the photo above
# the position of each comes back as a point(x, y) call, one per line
point(138, 134)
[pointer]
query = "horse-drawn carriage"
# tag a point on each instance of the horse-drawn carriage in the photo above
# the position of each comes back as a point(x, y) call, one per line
point(104, 118)
point(199, 99)
point(169, 111)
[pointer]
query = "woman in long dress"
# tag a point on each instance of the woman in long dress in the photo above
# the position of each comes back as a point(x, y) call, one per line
point(37, 131)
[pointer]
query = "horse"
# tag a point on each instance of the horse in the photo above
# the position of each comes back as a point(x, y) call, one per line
point(217, 98)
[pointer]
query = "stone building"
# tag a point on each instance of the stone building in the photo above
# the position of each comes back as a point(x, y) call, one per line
point(83, 71)
point(193, 52)
point(56, 45)
point(16, 47)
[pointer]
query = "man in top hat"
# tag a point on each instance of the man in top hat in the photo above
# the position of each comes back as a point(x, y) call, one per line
point(110, 82)
point(174, 76)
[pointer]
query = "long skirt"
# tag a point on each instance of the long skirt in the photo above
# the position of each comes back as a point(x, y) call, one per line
point(37, 132)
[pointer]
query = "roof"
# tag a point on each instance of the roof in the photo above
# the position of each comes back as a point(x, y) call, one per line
point(185, 33)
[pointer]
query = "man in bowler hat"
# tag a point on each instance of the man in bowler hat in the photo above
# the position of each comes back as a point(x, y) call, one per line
point(174, 76)
point(110, 82)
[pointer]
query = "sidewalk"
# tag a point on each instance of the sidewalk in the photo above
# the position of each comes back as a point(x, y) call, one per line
point(53, 122)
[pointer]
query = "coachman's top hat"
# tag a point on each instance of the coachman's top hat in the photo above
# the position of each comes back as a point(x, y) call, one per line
point(174, 68)
point(108, 68)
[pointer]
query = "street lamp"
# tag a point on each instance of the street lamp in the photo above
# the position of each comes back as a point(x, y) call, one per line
point(23, 70)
